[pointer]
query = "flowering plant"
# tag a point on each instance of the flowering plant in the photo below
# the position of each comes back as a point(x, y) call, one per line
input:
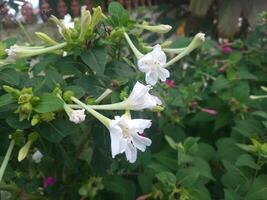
point(52, 95)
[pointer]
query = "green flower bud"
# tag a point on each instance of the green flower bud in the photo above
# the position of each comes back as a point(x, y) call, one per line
point(47, 117)
point(24, 98)
point(23, 152)
point(90, 101)
point(67, 96)
point(26, 108)
point(35, 120)
point(15, 92)
point(57, 90)
point(45, 38)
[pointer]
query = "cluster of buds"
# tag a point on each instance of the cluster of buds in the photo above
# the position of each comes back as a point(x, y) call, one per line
point(25, 99)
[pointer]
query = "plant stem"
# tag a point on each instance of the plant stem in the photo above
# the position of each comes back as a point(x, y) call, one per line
point(6, 159)
point(136, 52)
point(100, 117)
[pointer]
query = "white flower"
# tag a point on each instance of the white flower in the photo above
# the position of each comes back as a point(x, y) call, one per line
point(153, 65)
point(37, 156)
point(12, 52)
point(125, 136)
point(77, 116)
point(67, 22)
point(141, 99)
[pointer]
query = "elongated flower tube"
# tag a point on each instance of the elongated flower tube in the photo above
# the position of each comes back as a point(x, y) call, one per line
point(136, 52)
point(6, 159)
point(138, 99)
point(258, 97)
point(196, 42)
point(15, 51)
point(161, 28)
point(125, 133)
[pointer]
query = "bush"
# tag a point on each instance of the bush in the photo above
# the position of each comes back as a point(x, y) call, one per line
point(208, 143)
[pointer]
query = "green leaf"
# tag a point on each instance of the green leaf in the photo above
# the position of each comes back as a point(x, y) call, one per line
point(118, 15)
point(10, 76)
point(145, 183)
point(49, 103)
point(166, 178)
point(56, 130)
point(124, 188)
point(5, 100)
point(246, 160)
point(13, 121)
point(231, 195)
point(248, 127)
point(258, 190)
point(219, 84)
point(95, 59)
point(187, 177)
point(78, 91)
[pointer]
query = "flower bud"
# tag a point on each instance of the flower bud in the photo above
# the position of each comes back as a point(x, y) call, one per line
point(162, 28)
point(23, 152)
point(26, 108)
point(47, 117)
point(67, 96)
point(45, 38)
point(37, 156)
point(11, 90)
point(35, 120)
point(24, 98)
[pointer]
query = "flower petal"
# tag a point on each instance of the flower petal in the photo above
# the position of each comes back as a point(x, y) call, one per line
point(116, 137)
point(131, 153)
point(141, 142)
point(151, 77)
point(163, 73)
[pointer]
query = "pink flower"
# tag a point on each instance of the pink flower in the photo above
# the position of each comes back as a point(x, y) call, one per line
point(226, 49)
point(209, 111)
point(170, 83)
point(221, 69)
point(49, 181)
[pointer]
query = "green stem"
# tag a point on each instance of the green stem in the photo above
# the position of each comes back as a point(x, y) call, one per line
point(104, 95)
point(6, 159)
point(100, 117)
point(136, 52)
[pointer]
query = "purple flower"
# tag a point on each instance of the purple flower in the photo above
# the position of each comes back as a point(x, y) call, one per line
point(49, 181)
point(226, 49)
point(170, 83)
point(209, 111)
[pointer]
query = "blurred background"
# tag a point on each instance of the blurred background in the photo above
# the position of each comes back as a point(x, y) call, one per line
point(217, 18)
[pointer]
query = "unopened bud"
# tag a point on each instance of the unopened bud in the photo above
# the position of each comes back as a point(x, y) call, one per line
point(45, 38)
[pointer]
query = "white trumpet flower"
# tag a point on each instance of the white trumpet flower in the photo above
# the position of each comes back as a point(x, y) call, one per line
point(153, 65)
point(125, 134)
